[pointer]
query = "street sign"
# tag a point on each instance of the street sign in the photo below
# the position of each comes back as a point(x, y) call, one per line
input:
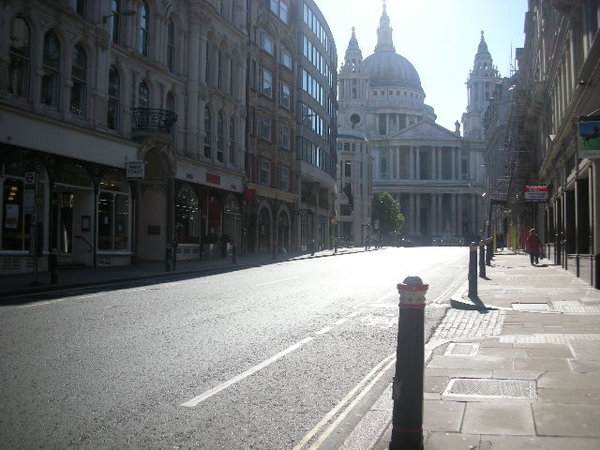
point(135, 170)
point(536, 194)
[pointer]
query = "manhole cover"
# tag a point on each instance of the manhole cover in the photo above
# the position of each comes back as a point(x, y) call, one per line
point(462, 349)
point(531, 306)
point(485, 388)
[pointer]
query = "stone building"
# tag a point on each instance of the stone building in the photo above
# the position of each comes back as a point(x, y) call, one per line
point(557, 89)
point(292, 126)
point(122, 129)
point(434, 174)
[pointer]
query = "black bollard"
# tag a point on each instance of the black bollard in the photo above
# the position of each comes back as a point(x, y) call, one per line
point(489, 254)
point(53, 266)
point(473, 270)
point(168, 261)
point(407, 392)
point(482, 259)
point(233, 255)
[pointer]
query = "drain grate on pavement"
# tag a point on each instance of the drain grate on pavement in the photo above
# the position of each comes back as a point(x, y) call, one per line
point(484, 388)
point(462, 349)
point(531, 307)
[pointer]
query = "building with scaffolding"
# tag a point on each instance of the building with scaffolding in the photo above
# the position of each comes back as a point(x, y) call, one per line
point(553, 183)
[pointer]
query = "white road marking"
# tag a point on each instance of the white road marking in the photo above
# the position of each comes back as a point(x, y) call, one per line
point(354, 314)
point(341, 321)
point(58, 300)
point(374, 375)
point(206, 395)
point(324, 330)
point(275, 281)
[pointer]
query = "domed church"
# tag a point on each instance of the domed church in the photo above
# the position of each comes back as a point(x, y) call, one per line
point(433, 172)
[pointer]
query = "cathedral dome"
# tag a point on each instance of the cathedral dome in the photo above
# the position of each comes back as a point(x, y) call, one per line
point(387, 68)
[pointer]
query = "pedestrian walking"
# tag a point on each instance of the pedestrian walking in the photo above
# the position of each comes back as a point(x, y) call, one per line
point(532, 246)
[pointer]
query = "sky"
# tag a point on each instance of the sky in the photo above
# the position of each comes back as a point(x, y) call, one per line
point(439, 37)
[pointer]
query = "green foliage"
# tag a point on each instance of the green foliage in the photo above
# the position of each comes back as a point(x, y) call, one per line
point(387, 210)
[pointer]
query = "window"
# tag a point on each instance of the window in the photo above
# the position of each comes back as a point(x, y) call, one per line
point(284, 179)
point(284, 136)
point(266, 82)
point(348, 169)
point(78, 6)
point(285, 57)
point(143, 95)
point(78, 78)
point(171, 45)
point(207, 135)
point(114, 95)
point(51, 71)
point(280, 9)
point(265, 172)
point(187, 217)
point(265, 41)
point(231, 141)
point(207, 65)
point(143, 32)
point(15, 226)
point(170, 102)
point(264, 127)
point(219, 69)
point(285, 98)
point(114, 20)
point(113, 216)
point(220, 137)
point(18, 71)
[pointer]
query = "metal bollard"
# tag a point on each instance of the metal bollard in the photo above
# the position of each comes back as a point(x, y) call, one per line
point(473, 270)
point(407, 389)
point(482, 259)
point(489, 254)
point(53, 266)
point(233, 254)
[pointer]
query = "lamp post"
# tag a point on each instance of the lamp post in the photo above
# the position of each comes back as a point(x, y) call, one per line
point(299, 171)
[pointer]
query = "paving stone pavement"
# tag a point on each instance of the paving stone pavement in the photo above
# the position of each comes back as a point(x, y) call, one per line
point(524, 375)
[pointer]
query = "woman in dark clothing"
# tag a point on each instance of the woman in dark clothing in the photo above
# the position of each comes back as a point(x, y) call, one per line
point(533, 246)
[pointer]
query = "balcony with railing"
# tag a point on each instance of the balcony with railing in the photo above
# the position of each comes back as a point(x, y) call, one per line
point(153, 121)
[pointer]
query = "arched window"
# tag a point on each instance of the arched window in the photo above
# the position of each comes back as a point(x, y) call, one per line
point(51, 71)
point(79, 80)
point(207, 65)
point(18, 69)
point(171, 45)
point(143, 95)
point(143, 32)
point(231, 141)
point(220, 137)
point(207, 135)
point(114, 98)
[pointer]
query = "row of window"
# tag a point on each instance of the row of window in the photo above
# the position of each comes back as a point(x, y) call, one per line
point(312, 21)
point(220, 138)
point(265, 87)
point(316, 59)
point(266, 42)
point(283, 178)
point(313, 154)
point(264, 131)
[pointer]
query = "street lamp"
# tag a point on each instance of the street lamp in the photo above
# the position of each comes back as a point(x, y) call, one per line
point(127, 12)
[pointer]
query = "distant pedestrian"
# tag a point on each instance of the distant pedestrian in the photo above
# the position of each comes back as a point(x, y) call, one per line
point(533, 246)
point(311, 247)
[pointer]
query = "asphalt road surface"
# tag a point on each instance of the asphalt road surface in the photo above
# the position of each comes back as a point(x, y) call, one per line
point(270, 357)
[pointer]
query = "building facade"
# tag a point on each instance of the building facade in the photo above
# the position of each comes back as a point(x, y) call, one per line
point(433, 173)
point(558, 88)
point(141, 130)
point(122, 134)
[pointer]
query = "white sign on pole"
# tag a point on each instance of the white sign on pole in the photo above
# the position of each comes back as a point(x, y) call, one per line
point(135, 170)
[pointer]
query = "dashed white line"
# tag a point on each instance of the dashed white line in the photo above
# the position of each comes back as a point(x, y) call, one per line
point(341, 321)
point(324, 330)
point(208, 394)
point(275, 281)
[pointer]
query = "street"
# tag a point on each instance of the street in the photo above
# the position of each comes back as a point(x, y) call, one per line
point(265, 357)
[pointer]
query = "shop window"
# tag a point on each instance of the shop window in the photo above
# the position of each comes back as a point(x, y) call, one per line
point(187, 217)
point(113, 215)
point(18, 71)
point(114, 98)
point(51, 71)
point(15, 223)
point(79, 81)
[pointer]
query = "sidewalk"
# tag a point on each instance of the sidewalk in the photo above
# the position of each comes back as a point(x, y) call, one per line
point(21, 284)
point(525, 375)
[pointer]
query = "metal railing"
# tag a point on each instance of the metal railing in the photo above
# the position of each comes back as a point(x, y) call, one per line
point(153, 120)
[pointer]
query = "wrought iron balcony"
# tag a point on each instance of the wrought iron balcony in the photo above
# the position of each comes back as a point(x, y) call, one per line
point(153, 120)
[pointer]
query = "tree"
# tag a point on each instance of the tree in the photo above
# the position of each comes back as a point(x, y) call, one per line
point(387, 211)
